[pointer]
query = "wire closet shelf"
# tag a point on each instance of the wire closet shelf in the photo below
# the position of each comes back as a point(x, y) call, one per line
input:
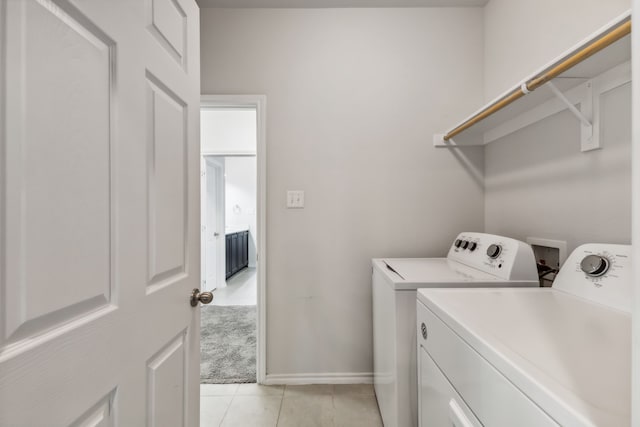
point(588, 49)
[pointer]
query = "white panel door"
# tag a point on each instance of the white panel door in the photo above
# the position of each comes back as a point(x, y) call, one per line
point(220, 223)
point(215, 236)
point(99, 212)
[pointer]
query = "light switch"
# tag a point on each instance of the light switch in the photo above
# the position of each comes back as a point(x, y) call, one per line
point(295, 199)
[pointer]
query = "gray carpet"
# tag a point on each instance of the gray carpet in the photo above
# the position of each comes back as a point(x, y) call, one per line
point(228, 344)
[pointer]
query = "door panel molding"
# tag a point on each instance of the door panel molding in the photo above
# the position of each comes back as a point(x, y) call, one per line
point(167, 124)
point(167, 384)
point(100, 415)
point(167, 22)
point(35, 197)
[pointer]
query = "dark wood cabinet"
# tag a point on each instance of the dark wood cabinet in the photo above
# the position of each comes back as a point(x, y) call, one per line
point(237, 252)
point(245, 249)
point(227, 257)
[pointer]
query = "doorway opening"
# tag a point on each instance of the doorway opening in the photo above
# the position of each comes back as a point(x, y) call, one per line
point(232, 238)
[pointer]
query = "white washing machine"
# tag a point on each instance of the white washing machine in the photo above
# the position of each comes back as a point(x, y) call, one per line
point(531, 357)
point(474, 260)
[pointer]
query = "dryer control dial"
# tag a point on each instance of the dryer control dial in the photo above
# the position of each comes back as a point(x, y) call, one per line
point(594, 265)
point(493, 251)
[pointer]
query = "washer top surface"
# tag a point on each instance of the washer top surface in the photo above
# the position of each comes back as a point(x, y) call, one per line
point(570, 355)
point(473, 260)
point(413, 273)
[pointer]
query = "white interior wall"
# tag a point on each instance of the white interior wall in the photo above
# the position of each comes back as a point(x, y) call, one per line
point(353, 99)
point(538, 183)
point(228, 131)
point(240, 197)
point(523, 35)
point(635, 150)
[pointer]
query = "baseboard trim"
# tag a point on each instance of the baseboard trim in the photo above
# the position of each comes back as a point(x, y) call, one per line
point(311, 378)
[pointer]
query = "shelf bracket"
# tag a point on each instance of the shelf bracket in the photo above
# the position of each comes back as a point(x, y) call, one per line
point(588, 141)
point(439, 141)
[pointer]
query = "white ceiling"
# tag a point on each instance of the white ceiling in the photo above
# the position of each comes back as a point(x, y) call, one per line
point(337, 3)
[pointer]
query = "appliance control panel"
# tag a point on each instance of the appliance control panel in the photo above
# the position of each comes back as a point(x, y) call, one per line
point(600, 273)
point(500, 256)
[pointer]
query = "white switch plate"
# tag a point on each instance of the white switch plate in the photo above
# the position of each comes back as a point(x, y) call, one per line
point(295, 199)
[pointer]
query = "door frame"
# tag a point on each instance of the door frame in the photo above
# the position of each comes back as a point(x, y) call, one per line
point(259, 102)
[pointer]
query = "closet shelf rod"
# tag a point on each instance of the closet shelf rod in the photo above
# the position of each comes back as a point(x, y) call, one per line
point(593, 47)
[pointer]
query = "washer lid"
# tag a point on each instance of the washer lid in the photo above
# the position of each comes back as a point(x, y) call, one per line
point(569, 355)
point(414, 273)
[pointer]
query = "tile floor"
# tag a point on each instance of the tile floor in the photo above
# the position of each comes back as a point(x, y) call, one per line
point(241, 289)
point(322, 405)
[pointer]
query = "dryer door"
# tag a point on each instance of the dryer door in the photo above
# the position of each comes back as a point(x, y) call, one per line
point(440, 404)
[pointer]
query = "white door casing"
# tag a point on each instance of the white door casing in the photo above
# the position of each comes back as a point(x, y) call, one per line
point(259, 102)
point(203, 224)
point(99, 212)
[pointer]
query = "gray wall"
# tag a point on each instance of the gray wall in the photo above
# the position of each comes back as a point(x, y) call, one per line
point(523, 35)
point(538, 183)
point(635, 367)
point(353, 99)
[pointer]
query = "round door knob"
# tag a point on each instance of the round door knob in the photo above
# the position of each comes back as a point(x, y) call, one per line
point(202, 297)
point(594, 265)
point(493, 251)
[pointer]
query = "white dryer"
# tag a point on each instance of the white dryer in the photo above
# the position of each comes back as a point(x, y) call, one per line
point(531, 357)
point(474, 260)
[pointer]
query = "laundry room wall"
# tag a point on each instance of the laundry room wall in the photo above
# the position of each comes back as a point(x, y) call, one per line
point(228, 131)
point(354, 97)
point(523, 35)
point(537, 181)
point(635, 367)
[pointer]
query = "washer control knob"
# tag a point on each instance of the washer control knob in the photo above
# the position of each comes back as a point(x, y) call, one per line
point(465, 244)
point(493, 251)
point(594, 265)
point(472, 246)
point(457, 243)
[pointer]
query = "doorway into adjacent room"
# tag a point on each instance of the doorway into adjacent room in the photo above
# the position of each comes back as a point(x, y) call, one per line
point(232, 230)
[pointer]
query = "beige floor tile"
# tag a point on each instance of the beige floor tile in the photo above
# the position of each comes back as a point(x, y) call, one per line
point(252, 411)
point(307, 411)
point(259, 390)
point(309, 389)
point(353, 389)
point(218, 389)
point(318, 405)
point(356, 411)
point(212, 410)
